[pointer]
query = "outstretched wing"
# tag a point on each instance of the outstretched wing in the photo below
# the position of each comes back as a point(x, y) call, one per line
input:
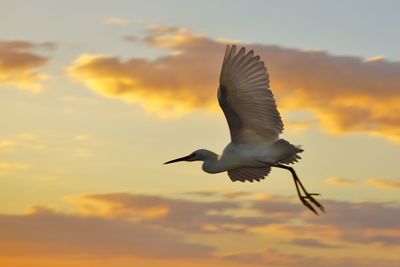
point(248, 174)
point(246, 99)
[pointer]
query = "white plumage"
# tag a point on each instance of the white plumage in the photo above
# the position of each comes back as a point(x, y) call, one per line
point(254, 123)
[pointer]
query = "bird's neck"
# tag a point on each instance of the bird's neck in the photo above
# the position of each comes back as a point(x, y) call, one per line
point(213, 164)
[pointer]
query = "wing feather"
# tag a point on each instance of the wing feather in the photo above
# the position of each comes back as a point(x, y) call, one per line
point(245, 97)
point(248, 174)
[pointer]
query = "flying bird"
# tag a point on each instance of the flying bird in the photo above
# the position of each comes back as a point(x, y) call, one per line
point(254, 123)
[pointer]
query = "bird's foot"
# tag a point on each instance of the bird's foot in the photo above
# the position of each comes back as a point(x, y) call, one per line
point(308, 200)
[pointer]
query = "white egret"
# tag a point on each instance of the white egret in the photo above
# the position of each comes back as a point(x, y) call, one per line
point(254, 124)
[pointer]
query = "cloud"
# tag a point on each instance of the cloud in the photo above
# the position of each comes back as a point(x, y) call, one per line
point(355, 221)
point(24, 140)
point(131, 38)
point(278, 206)
point(309, 242)
point(103, 237)
point(361, 223)
point(171, 213)
point(344, 221)
point(82, 137)
point(170, 37)
point(231, 194)
point(114, 21)
point(82, 152)
point(12, 165)
point(339, 181)
point(346, 94)
point(382, 183)
point(6, 167)
point(19, 64)
point(7, 145)
point(136, 226)
point(272, 257)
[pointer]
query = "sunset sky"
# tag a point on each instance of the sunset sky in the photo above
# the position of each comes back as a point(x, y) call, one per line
point(96, 95)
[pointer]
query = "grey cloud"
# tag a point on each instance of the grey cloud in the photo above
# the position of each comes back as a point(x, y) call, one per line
point(180, 214)
point(96, 236)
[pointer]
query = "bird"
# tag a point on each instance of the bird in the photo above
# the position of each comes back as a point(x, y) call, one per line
point(254, 121)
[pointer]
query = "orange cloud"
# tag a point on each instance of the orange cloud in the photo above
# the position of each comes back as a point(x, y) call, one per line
point(19, 64)
point(346, 94)
point(382, 183)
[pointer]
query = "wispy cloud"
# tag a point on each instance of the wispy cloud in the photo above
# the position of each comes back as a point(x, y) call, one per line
point(19, 64)
point(4, 165)
point(82, 137)
point(273, 257)
point(346, 94)
point(339, 181)
point(113, 21)
point(7, 145)
point(24, 140)
point(131, 38)
point(82, 152)
point(310, 242)
point(7, 166)
point(383, 183)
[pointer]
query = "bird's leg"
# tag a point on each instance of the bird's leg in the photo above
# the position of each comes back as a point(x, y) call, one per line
point(308, 196)
point(303, 198)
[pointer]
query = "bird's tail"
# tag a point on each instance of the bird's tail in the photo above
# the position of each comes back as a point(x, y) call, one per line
point(289, 151)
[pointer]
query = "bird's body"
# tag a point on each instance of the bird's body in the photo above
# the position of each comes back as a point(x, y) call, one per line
point(255, 155)
point(254, 123)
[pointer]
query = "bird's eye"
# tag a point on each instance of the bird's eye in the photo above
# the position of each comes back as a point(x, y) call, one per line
point(193, 155)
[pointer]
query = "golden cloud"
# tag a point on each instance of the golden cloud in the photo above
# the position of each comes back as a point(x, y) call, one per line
point(19, 64)
point(383, 183)
point(123, 205)
point(346, 94)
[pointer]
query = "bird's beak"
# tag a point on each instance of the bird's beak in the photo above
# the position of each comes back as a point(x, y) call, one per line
point(186, 158)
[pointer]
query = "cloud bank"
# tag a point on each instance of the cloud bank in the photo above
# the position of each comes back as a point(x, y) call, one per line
point(149, 227)
point(347, 94)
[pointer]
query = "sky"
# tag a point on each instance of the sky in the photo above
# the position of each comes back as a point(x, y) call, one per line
point(96, 95)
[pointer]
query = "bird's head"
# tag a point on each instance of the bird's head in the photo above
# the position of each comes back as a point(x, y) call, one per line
point(198, 155)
